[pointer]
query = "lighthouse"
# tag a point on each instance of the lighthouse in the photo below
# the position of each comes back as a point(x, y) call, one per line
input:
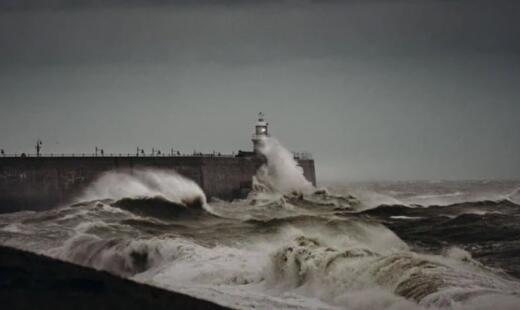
point(261, 132)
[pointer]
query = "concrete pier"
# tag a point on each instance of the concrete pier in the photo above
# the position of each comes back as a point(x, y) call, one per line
point(36, 183)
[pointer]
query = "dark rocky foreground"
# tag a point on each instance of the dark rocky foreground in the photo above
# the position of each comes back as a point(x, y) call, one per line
point(30, 281)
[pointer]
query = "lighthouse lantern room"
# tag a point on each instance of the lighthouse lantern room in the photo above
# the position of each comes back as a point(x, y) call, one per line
point(261, 132)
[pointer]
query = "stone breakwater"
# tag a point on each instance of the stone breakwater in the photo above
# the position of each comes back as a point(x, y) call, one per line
point(36, 183)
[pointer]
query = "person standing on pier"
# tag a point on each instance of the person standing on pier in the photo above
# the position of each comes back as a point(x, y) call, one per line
point(38, 147)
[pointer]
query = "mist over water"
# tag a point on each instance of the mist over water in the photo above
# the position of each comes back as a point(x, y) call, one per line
point(290, 245)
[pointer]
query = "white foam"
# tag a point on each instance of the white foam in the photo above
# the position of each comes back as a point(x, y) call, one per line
point(403, 217)
point(281, 172)
point(371, 199)
point(143, 183)
point(13, 228)
point(301, 263)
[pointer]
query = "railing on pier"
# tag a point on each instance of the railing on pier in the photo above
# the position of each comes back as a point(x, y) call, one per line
point(302, 155)
point(297, 155)
point(27, 155)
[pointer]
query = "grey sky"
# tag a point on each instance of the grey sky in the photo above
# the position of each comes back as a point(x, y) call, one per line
point(374, 89)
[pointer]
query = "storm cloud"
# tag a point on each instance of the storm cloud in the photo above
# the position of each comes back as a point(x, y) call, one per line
point(374, 89)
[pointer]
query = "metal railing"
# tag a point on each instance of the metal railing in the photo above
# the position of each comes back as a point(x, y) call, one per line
point(27, 155)
point(302, 155)
point(297, 155)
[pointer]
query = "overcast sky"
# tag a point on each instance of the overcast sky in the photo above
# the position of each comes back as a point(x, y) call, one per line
point(425, 89)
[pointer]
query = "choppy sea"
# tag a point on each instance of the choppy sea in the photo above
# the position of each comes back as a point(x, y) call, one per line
point(379, 245)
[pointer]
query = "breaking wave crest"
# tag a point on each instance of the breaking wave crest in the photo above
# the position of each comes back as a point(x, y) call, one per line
point(349, 264)
point(160, 207)
point(145, 183)
point(286, 246)
point(481, 207)
point(281, 172)
point(431, 281)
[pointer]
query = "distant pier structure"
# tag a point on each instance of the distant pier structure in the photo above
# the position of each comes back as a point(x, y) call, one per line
point(261, 132)
point(42, 181)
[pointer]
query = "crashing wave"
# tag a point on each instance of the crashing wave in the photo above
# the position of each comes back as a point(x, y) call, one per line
point(280, 173)
point(280, 181)
point(288, 245)
point(161, 207)
point(481, 208)
point(144, 183)
point(316, 268)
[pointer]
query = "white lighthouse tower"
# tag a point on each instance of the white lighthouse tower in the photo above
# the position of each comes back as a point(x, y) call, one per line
point(261, 132)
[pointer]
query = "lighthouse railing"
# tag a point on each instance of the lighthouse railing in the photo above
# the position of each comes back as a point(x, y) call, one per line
point(302, 155)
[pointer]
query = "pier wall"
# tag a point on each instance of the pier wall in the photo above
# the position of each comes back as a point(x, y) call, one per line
point(35, 183)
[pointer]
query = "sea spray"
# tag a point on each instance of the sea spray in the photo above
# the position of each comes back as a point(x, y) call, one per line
point(146, 183)
point(314, 267)
point(297, 253)
point(281, 172)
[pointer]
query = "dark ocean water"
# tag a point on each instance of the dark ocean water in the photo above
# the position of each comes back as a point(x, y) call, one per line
point(397, 245)
point(482, 217)
point(321, 250)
